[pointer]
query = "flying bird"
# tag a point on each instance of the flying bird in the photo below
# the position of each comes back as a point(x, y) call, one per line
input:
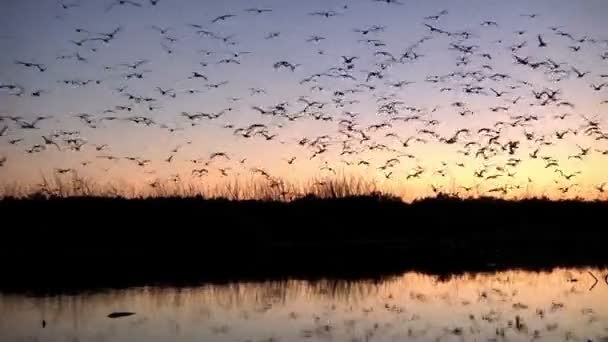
point(122, 3)
point(223, 18)
point(541, 42)
point(258, 10)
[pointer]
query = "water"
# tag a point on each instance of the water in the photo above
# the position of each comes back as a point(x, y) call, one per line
point(505, 306)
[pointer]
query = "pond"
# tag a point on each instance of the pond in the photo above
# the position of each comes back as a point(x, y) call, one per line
point(516, 305)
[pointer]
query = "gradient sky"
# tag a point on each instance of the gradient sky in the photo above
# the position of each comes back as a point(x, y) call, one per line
point(40, 31)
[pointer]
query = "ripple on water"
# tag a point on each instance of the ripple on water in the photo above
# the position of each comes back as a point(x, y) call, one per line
point(514, 305)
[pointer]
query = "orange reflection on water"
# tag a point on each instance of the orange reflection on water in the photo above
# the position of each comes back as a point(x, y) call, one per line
point(511, 305)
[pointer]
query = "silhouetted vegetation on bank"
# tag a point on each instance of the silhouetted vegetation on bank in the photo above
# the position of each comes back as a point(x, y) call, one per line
point(96, 241)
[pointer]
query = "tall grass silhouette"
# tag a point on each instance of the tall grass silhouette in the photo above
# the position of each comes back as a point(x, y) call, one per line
point(272, 189)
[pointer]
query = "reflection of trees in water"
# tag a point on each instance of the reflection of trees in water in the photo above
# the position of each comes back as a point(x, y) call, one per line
point(280, 292)
point(481, 300)
point(235, 295)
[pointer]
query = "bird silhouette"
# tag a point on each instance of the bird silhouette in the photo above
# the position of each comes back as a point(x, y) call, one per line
point(223, 18)
point(258, 10)
point(38, 66)
point(117, 3)
point(49, 141)
point(285, 64)
point(578, 73)
point(326, 14)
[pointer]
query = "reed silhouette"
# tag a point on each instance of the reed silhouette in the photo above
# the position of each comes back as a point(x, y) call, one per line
point(340, 229)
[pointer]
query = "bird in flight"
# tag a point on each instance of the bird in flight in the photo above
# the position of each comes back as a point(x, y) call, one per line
point(258, 10)
point(272, 35)
point(122, 3)
point(223, 18)
point(390, 2)
point(578, 73)
point(68, 5)
point(285, 64)
point(161, 30)
point(40, 67)
point(326, 14)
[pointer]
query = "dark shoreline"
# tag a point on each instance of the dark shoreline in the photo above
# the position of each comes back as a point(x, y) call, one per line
point(75, 244)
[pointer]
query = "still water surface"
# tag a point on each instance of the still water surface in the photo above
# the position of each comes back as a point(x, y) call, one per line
point(505, 306)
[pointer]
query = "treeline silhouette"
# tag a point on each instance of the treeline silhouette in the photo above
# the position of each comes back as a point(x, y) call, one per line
point(102, 241)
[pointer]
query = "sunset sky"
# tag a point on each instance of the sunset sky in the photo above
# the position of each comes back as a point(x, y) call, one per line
point(68, 42)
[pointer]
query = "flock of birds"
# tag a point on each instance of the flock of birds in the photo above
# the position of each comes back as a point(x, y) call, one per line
point(520, 108)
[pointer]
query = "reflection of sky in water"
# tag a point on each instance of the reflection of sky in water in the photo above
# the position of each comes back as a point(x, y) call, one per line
point(550, 306)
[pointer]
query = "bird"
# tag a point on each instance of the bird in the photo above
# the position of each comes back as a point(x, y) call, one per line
point(561, 116)
point(101, 147)
point(222, 18)
point(196, 75)
point(63, 171)
point(349, 59)
point(258, 10)
point(49, 141)
point(497, 93)
point(530, 15)
point(285, 64)
point(390, 2)
point(38, 66)
point(30, 125)
point(108, 157)
point(489, 23)
point(166, 48)
point(107, 37)
point(122, 3)
point(272, 35)
point(199, 172)
point(216, 85)
point(161, 30)
point(315, 39)
point(326, 14)
point(541, 42)
point(218, 155)
point(578, 73)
